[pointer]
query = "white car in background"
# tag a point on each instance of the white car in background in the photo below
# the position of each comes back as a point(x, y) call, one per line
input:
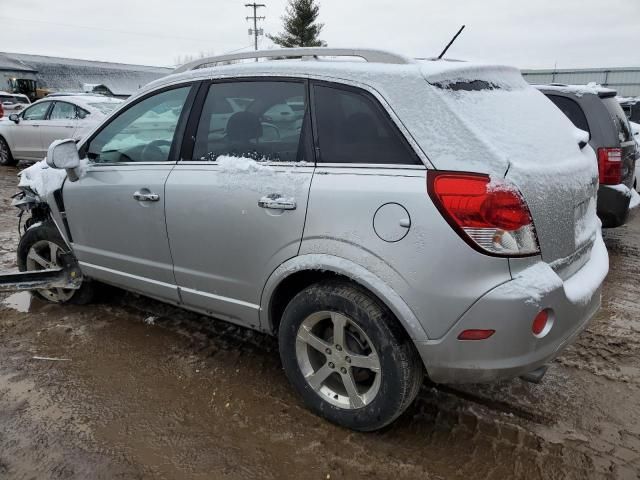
point(13, 102)
point(28, 134)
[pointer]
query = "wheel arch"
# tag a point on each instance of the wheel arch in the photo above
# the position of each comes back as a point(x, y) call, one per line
point(299, 272)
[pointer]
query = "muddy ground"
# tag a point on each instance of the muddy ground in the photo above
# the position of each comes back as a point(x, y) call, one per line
point(143, 390)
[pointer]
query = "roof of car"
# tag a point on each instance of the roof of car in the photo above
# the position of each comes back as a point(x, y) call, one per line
point(371, 73)
point(578, 90)
point(84, 101)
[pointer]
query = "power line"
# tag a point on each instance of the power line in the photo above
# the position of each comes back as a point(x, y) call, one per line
point(255, 19)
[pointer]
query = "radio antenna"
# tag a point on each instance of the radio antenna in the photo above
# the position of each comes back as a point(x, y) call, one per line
point(451, 42)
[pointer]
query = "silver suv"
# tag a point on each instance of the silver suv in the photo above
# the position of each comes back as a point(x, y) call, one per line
point(405, 217)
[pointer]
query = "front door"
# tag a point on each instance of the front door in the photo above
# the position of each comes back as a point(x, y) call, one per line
point(27, 141)
point(236, 204)
point(116, 210)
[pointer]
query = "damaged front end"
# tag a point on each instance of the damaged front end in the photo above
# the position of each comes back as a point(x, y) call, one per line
point(64, 273)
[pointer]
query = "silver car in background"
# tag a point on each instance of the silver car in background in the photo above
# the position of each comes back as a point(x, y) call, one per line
point(430, 216)
point(28, 132)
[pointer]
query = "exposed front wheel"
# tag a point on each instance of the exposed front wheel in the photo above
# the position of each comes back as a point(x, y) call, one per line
point(6, 159)
point(348, 357)
point(40, 249)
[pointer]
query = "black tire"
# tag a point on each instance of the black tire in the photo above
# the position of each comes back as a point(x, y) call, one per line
point(48, 232)
point(6, 158)
point(401, 372)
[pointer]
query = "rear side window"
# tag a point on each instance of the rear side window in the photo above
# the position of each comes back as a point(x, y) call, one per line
point(572, 110)
point(252, 119)
point(352, 127)
point(63, 111)
point(619, 118)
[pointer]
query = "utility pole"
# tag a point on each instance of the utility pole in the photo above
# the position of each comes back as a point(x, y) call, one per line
point(255, 19)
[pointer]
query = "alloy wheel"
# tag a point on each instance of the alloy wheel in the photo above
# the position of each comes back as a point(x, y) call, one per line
point(45, 255)
point(338, 360)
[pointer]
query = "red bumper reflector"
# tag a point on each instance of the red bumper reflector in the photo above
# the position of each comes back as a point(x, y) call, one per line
point(475, 334)
point(540, 322)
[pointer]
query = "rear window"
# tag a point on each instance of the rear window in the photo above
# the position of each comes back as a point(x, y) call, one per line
point(104, 107)
point(619, 118)
point(7, 98)
point(572, 110)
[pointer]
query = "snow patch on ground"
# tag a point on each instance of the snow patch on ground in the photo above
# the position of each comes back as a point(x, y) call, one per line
point(635, 200)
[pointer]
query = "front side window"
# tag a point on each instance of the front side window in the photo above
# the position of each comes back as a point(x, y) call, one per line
point(142, 133)
point(352, 127)
point(252, 119)
point(63, 111)
point(37, 112)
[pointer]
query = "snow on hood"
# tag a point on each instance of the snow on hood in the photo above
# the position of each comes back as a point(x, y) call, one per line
point(42, 179)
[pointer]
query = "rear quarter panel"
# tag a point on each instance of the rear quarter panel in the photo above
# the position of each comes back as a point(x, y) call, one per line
point(432, 269)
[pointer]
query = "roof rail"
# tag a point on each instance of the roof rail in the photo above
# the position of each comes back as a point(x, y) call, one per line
point(374, 56)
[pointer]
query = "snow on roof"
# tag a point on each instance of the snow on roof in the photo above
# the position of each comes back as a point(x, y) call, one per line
point(578, 90)
point(69, 74)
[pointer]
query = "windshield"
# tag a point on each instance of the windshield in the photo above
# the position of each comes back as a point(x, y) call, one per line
point(104, 107)
point(619, 118)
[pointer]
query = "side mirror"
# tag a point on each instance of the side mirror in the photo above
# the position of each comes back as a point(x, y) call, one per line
point(14, 117)
point(63, 154)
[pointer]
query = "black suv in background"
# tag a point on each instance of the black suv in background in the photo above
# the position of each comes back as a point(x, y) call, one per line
point(597, 111)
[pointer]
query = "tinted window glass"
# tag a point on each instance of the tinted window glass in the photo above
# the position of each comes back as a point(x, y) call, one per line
point(353, 128)
point(62, 111)
point(37, 112)
point(142, 133)
point(619, 118)
point(253, 120)
point(572, 110)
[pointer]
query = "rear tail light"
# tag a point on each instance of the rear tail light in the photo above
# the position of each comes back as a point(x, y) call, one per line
point(492, 217)
point(610, 165)
point(1, 110)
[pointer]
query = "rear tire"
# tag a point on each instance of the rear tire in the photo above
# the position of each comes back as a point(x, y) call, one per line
point(6, 158)
point(362, 378)
point(35, 251)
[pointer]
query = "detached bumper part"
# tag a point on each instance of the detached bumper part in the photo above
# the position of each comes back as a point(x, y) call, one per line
point(69, 277)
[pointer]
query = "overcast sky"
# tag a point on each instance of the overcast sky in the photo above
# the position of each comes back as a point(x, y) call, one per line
point(527, 34)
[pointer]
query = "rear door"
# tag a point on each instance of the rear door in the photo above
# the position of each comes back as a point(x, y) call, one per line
point(115, 211)
point(27, 140)
point(61, 123)
point(236, 202)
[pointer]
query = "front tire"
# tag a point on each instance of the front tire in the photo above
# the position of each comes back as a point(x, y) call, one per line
point(347, 356)
point(6, 158)
point(39, 249)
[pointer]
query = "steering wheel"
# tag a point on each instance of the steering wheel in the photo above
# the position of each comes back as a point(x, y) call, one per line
point(154, 152)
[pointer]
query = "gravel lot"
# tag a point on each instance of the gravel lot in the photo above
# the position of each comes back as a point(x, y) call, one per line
point(145, 390)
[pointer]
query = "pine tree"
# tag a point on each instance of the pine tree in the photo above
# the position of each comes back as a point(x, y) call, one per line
point(300, 26)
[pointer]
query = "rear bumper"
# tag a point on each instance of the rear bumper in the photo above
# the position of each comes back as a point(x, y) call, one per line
point(613, 206)
point(509, 309)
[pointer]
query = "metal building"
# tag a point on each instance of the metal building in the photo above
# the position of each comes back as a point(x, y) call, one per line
point(625, 80)
point(37, 75)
